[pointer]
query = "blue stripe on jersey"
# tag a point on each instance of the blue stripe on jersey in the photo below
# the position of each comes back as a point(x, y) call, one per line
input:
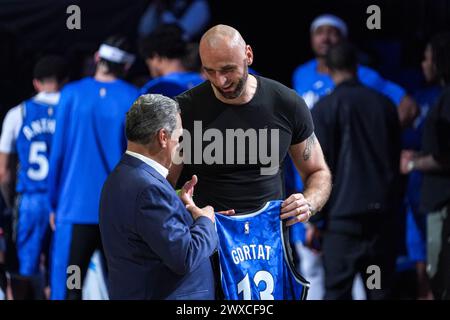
point(254, 260)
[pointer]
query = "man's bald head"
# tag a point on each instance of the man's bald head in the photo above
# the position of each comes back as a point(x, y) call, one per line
point(225, 59)
point(222, 37)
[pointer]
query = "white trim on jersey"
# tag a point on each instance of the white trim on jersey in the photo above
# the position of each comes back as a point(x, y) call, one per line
point(10, 130)
point(50, 98)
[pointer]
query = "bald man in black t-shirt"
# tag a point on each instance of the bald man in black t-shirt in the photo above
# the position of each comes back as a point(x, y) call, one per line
point(241, 128)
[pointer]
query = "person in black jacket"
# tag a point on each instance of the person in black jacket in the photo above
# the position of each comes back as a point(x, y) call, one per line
point(359, 131)
point(434, 162)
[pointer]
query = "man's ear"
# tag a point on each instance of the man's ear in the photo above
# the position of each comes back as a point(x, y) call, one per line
point(163, 138)
point(96, 57)
point(37, 85)
point(249, 54)
point(148, 62)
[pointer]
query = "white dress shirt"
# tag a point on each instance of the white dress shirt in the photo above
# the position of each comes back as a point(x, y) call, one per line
point(152, 163)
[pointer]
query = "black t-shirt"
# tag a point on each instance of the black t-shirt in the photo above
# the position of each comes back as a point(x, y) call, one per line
point(230, 177)
point(436, 141)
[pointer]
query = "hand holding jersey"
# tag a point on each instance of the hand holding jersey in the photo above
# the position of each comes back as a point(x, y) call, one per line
point(296, 207)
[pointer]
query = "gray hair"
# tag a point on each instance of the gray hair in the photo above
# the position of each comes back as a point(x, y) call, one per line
point(149, 114)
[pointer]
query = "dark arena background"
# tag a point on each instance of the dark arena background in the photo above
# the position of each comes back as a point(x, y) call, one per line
point(279, 33)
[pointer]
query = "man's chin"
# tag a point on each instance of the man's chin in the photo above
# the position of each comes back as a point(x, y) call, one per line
point(229, 95)
point(321, 55)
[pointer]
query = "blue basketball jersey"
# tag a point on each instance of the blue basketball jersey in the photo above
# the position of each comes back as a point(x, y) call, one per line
point(255, 259)
point(33, 146)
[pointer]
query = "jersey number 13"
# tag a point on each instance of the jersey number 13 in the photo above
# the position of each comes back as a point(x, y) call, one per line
point(261, 276)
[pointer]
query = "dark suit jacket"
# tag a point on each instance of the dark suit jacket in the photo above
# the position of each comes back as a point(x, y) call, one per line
point(154, 248)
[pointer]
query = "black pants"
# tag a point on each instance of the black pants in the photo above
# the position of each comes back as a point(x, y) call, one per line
point(85, 240)
point(346, 255)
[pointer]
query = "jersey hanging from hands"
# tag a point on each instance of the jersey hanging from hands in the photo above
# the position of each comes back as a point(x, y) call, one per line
point(255, 261)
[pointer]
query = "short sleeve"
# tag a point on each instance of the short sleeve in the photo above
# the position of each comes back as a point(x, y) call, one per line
point(10, 130)
point(303, 123)
point(393, 91)
point(185, 102)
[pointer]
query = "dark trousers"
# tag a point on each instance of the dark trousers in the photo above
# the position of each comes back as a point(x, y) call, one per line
point(346, 255)
point(85, 240)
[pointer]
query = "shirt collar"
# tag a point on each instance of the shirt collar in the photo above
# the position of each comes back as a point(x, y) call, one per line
point(152, 163)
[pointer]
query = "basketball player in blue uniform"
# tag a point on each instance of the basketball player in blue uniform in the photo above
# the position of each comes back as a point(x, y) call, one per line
point(255, 258)
point(88, 142)
point(27, 132)
point(166, 54)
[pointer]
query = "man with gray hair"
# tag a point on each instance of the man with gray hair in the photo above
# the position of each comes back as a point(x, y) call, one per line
point(155, 248)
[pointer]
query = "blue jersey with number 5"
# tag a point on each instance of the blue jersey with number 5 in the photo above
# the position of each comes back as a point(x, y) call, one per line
point(255, 261)
point(33, 146)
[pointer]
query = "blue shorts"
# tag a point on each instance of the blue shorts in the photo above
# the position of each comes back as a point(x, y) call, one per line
point(33, 231)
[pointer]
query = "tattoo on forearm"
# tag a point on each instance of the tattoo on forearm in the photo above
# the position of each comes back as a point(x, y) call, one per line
point(308, 149)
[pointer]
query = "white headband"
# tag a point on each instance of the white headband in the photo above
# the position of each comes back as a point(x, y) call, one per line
point(329, 20)
point(114, 54)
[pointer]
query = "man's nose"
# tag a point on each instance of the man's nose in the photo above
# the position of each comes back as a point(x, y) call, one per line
point(326, 39)
point(220, 79)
